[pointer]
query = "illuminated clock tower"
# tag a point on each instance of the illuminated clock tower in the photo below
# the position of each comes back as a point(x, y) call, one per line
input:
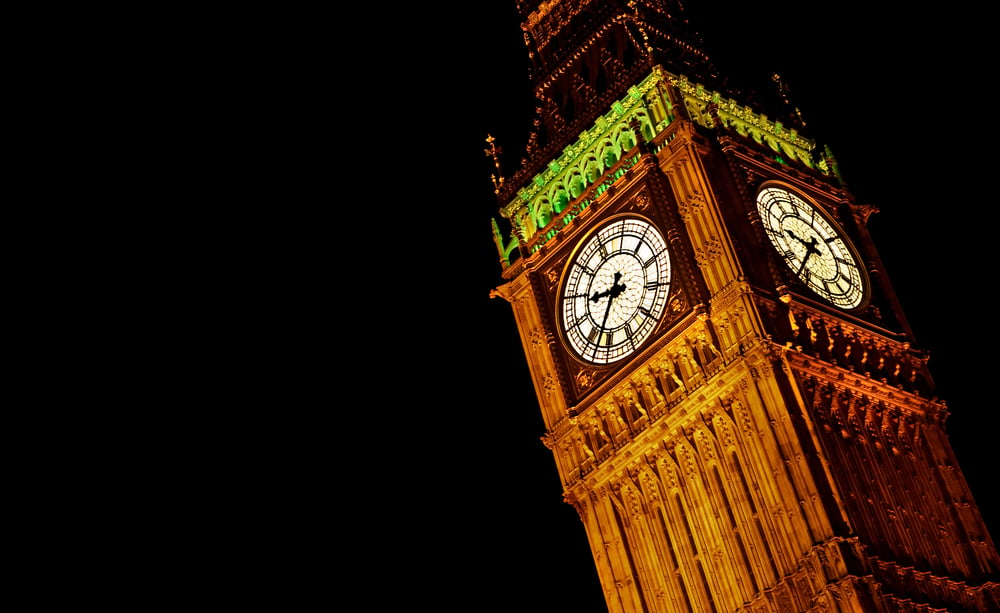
point(733, 398)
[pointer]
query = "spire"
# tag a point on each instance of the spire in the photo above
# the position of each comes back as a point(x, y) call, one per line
point(494, 152)
point(795, 115)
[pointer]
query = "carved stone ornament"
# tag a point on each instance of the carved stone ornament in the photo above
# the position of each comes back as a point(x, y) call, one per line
point(677, 304)
point(863, 211)
point(550, 384)
point(538, 337)
point(552, 276)
point(502, 292)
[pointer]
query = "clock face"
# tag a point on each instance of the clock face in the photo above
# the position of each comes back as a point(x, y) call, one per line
point(615, 290)
point(812, 247)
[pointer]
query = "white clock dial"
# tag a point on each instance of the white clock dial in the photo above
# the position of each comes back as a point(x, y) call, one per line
point(812, 247)
point(615, 290)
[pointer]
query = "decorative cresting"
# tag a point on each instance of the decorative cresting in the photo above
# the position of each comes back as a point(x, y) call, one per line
point(631, 407)
point(858, 350)
point(906, 580)
point(885, 452)
point(761, 532)
point(586, 169)
point(707, 108)
point(604, 154)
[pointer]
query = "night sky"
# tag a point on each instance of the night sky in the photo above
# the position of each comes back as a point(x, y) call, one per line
point(877, 88)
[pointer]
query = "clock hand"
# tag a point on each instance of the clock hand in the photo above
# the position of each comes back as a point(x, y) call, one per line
point(803, 264)
point(810, 246)
point(810, 249)
point(611, 290)
point(612, 293)
point(793, 235)
point(607, 311)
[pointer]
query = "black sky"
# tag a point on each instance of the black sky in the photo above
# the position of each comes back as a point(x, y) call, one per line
point(896, 97)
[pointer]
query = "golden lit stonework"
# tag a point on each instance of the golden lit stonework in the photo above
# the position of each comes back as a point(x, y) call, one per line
point(739, 415)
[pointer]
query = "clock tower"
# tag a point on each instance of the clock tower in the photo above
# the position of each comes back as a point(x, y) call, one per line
point(733, 398)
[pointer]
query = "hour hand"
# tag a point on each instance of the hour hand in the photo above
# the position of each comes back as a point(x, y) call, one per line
point(613, 291)
point(810, 244)
point(795, 236)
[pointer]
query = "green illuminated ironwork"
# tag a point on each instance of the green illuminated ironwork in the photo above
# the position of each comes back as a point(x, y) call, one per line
point(550, 200)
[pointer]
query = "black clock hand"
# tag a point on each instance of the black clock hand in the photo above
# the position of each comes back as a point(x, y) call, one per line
point(598, 295)
point(810, 247)
point(612, 293)
point(803, 264)
point(607, 311)
point(793, 235)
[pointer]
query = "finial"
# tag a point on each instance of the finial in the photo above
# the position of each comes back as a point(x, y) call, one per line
point(640, 139)
point(783, 90)
point(494, 152)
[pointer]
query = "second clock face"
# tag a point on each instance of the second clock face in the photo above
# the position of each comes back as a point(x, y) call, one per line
point(811, 247)
point(615, 290)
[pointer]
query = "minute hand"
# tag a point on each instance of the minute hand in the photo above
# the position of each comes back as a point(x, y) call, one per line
point(810, 249)
point(612, 293)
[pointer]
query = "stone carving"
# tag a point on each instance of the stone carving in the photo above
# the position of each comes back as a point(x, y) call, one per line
point(612, 420)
